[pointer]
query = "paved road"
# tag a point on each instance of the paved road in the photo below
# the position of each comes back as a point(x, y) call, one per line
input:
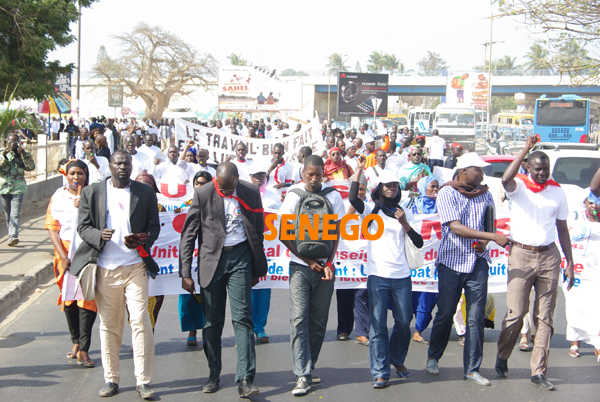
point(34, 340)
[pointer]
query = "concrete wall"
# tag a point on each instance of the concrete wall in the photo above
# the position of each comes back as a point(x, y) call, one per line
point(40, 190)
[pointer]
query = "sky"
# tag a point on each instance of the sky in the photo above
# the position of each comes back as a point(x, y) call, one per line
point(302, 34)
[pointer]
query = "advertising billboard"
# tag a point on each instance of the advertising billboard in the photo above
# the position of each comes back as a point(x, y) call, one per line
point(468, 87)
point(248, 89)
point(115, 96)
point(361, 94)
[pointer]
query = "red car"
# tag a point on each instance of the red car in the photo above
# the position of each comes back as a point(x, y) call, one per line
point(499, 164)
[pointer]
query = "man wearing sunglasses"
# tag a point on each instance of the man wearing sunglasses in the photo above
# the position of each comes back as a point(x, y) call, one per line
point(14, 161)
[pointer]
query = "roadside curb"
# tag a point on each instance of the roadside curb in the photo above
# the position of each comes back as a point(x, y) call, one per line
point(13, 293)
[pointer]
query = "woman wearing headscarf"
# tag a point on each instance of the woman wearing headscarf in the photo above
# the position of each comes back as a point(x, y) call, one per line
point(336, 167)
point(389, 279)
point(61, 223)
point(191, 316)
point(411, 172)
point(423, 302)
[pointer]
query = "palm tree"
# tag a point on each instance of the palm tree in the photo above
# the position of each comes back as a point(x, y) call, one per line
point(506, 63)
point(336, 63)
point(572, 57)
point(236, 60)
point(392, 64)
point(376, 61)
point(16, 119)
point(539, 60)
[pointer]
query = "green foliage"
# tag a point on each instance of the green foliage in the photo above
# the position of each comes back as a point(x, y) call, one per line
point(379, 61)
point(288, 72)
point(431, 64)
point(29, 31)
point(236, 60)
point(337, 63)
point(502, 102)
point(16, 119)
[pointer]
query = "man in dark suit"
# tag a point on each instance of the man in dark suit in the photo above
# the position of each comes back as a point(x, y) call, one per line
point(118, 223)
point(226, 217)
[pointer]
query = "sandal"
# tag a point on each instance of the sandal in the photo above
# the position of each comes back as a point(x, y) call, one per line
point(524, 345)
point(574, 351)
point(87, 363)
point(192, 341)
point(72, 354)
point(403, 374)
point(461, 340)
point(421, 341)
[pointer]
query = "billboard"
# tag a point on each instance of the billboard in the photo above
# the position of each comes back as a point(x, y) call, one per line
point(62, 96)
point(248, 89)
point(361, 94)
point(115, 96)
point(468, 87)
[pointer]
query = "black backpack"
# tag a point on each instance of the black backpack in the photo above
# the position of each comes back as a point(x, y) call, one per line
point(312, 204)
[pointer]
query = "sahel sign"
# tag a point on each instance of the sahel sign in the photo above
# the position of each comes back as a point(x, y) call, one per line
point(248, 89)
point(115, 96)
point(468, 87)
point(362, 95)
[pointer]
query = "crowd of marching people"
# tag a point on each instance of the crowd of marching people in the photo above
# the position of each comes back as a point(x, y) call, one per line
point(106, 217)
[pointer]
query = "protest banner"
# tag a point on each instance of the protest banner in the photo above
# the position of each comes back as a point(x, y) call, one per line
point(221, 145)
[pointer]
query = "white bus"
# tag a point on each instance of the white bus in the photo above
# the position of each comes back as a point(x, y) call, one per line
point(421, 120)
point(456, 123)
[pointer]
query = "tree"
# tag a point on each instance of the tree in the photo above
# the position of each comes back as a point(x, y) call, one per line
point(155, 65)
point(236, 60)
point(506, 63)
point(539, 60)
point(16, 119)
point(288, 72)
point(563, 23)
point(391, 64)
point(431, 64)
point(502, 102)
point(376, 61)
point(336, 63)
point(29, 31)
point(357, 68)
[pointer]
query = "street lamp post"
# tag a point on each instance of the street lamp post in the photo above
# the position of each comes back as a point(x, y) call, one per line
point(78, 60)
point(329, 84)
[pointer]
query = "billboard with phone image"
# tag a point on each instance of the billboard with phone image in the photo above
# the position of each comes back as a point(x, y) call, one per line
point(362, 95)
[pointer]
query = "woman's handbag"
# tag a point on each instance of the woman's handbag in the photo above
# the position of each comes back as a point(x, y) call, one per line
point(413, 254)
point(87, 277)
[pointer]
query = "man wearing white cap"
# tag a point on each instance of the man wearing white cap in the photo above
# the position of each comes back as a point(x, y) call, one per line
point(462, 263)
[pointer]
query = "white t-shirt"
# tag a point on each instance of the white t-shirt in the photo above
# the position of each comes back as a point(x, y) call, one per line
point(395, 161)
point(385, 256)
point(243, 168)
point(436, 146)
point(234, 225)
point(196, 167)
point(297, 172)
point(153, 152)
point(291, 200)
point(115, 253)
point(98, 174)
point(351, 162)
point(167, 172)
point(534, 215)
point(140, 161)
point(281, 174)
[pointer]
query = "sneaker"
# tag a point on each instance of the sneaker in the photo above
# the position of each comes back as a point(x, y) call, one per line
point(13, 241)
point(432, 366)
point(302, 387)
point(315, 379)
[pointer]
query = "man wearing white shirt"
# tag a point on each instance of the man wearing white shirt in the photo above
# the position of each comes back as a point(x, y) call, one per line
point(244, 165)
point(435, 148)
point(202, 159)
point(77, 151)
point(279, 174)
point(173, 170)
point(297, 169)
point(350, 157)
point(372, 174)
point(395, 158)
point(151, 150)
point(139, 160)
point(55, 128)
point(97, 165)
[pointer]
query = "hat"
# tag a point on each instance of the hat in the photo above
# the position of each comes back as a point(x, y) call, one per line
point(387, 176)
point(256, 168)
point(334, 149)
point(471, 159)
point(592, 198)
point(362, 180)
point(349, 144)
point(420, 137)
point(456, 145)
point(365, 138)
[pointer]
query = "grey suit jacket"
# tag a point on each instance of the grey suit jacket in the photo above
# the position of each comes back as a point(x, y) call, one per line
point(205, 221)
point(143, 218)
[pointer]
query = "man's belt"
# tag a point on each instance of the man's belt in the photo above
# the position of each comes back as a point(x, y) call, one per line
point(229, 248)
point(537, 249)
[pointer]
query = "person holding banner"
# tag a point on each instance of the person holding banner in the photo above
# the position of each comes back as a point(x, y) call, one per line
point(463, 263)
point(61, 223)
point(226, 218)
point(539, 210)
point(389, 280)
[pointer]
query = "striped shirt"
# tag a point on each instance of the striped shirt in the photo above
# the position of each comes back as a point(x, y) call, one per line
point(456, 252)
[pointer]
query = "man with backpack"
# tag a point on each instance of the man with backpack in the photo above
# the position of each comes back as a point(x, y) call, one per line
point(312, 272)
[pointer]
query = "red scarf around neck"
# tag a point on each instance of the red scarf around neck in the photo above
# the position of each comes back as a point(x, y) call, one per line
point(536, 187)
point(242, 203)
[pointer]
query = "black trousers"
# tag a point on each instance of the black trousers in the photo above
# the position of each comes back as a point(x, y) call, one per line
point(80, 322)
point(345, 310)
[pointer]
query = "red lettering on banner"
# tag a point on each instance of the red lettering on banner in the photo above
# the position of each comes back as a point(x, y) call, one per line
point(181, 190)
point(427, 226)
point(503, 223)
point(578, 268)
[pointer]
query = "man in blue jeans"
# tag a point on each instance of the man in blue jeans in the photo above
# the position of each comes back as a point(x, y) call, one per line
point(462, 263)
point(311, 284)
point(14, 161)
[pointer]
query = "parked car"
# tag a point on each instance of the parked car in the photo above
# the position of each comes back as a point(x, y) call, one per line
point(499, 164)
point(572, 163)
